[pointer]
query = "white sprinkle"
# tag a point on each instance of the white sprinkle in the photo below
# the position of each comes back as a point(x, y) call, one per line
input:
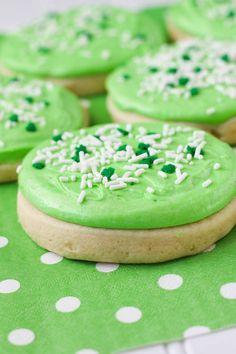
point(81, 197)
point(89, 183)
point(121, 185)
point(181, 178)
point(2, 144)
point(105, 54)
point(139, 172)
point(18, 169)
point(83, 181)
point(63, 178)
point(216, 166)
point(206, 183)
point(211, 110)
point(162, 174)
point(150, 190)
point(138, 157)
point(157, 161)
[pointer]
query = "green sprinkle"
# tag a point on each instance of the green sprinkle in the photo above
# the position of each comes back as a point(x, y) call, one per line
point(151, 133)
point(122, 147)
point(103, 25)
point(191, 150)
point(231, 14)
point(148, 161)
point(123, 131)
point(141, 36)
point(76, 158)
point(108, 172)
point(143, 146)
point(85, 33)
point(39, 165)
point(170, 84)
point(57, 137)
point(97, 137)
point(126, 76)
point(168, 168)
point(46, 103)
point(183, 81)
point(44, 50)
point(14, 117)
point(153, 69)
point(186, 57)
point(31, 127)
point(194, 91)
point(29, 99)
point(197, 69)
point(81, 148)
point(225, 57)
point(172, 70)
point(14, 79)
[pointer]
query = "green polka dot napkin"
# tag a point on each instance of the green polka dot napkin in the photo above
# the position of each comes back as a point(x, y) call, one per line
point(51, 305)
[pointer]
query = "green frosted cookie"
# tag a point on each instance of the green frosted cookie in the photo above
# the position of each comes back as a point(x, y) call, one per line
point(136, 193)
point(30, 112)
point(204, 18)
point(86, 42)
point(192, 81)
point(140, 176)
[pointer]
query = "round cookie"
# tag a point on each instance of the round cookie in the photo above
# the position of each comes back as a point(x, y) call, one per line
point(136, 193)
point(192, 82)
point(202, 18)
point(78, 48)
point(30, 112)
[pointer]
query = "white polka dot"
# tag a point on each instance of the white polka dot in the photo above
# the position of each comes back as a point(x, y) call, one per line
point(3, 241)
point(210, 248)
point(68, 304)
point(50, 258)
point(195, 331)
point(106, 267)
point(87, 351)
point(128, 314)
point(170, 281)
point(228, 291)
point(21, 336)
point(9, 286)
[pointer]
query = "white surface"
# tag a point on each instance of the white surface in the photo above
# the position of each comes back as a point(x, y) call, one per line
point(14, 13)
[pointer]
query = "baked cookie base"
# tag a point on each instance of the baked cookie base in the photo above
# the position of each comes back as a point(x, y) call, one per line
point(8, 172)
point(175, 33)
point(123, 246)
point(81, 86)
point(225, 131)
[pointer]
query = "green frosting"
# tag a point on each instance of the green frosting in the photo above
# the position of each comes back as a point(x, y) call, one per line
point(87, 40)
point(191, 81)
point(30, 112)
point(205, 18)
point(139, 176)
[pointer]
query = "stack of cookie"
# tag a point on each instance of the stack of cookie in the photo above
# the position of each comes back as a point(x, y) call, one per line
point(157, 183)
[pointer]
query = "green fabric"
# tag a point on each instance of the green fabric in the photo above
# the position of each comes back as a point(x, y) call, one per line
point(165, 314)
point(82, 41)
point(98, 111)
point(132, 206)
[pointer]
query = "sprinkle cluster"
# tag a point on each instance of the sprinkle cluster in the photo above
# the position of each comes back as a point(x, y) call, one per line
point(119, 157)
point(21, 103)
point(76, 31)
point(186, 69)
point(219, 10)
